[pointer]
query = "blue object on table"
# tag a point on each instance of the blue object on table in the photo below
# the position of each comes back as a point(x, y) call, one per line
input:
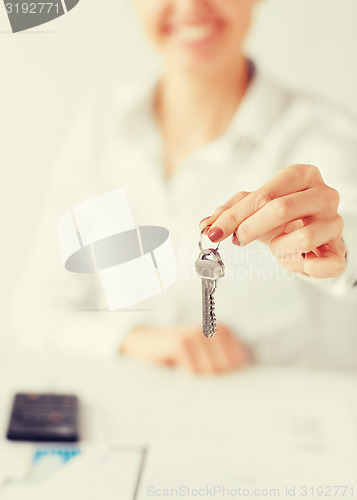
point(65, 453)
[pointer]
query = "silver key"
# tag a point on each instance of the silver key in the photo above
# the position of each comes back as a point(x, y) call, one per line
point(210, 268)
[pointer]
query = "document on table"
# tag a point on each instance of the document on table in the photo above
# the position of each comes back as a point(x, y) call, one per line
point(111, 474)
point(286, 450)
point(224, 470)
point(305, 453)
point(15, 460)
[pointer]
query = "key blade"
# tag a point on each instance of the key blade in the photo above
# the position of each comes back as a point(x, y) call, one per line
point(210, 268)
point(208, 315)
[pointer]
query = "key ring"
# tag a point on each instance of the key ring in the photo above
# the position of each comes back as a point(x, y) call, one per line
point(200, 240)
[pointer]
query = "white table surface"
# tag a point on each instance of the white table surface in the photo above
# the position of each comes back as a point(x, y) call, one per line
point(129, 402)
point(138, 401)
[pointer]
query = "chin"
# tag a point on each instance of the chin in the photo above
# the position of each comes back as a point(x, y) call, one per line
point(205, 65)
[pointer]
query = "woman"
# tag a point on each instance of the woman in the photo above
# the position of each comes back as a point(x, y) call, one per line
point(214, 129)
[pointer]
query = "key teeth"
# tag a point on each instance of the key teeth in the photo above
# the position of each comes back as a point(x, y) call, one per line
point(213, 328)
point(210, 319)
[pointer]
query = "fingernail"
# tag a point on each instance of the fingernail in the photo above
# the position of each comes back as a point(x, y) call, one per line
point(204, 219)
point(235, 240)
point(215, 234)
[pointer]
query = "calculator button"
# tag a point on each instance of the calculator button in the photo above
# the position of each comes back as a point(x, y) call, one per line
point(55, 417)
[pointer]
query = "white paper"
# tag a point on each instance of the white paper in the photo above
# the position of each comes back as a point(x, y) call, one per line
point(103, 216)
point(165, 259)
point(110, 474)
point(279, 447)
point(129, 283)
point(67, 235)
point(99, 235)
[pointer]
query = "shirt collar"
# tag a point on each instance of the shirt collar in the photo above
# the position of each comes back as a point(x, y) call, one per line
point(261, 105)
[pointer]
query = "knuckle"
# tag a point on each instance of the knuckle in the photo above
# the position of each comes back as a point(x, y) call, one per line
point(340, 223)
point(274, 247)
point(282, 208)
point(219, 210)
point(243, 232)
point(306, 240)
point(239, 195)
point(341, 246)
point(306, 171)
point(185, 343)
point(277, 249)
point(263, 199)
point(236, 198)
point(333, 197)
point(338, 267)
point(313, 170)
point(230, 218)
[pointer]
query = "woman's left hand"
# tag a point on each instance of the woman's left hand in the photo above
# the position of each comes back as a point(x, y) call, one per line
point(295, 213)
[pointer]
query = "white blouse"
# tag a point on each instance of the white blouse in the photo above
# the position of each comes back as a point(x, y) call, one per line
point(284, 318)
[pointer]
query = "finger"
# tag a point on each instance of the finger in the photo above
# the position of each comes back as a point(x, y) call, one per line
point(294, 263)
point(268, 237)
point(194, 356)
point(218, 354)
point(288, 181)
point(185, 356)
point(185, 360)
point(330, 266)
point(280, 212)
point(307, 238)
point(208, 221)
point(291, 179)
point(239, 352)
point(235, 351)
point(293, 226)
point(211, 360)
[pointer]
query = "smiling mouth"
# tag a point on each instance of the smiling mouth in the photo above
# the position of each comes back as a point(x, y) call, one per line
point(194, 33)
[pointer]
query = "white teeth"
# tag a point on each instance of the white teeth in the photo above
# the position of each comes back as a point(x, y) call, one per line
point(194, 32)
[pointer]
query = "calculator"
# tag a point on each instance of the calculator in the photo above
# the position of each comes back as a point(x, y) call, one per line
point(44, 417)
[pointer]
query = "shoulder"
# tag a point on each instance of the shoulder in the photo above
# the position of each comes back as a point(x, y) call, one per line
point(312, 114)
point(307, 111)
point(114, 112)
point(312, 129)
point(103, 122)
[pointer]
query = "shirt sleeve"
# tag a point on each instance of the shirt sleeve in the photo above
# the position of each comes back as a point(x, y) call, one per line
point(54, 308)
point(329, 142)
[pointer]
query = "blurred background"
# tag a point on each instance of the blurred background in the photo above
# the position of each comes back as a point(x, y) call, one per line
point(47, 74)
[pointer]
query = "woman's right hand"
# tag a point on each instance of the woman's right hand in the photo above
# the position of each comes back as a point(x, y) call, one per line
point(186, 348)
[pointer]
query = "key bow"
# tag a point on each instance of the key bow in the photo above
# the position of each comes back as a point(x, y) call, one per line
point(209, 264)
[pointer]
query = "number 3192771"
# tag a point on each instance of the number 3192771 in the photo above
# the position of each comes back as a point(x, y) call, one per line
point(32, 8)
